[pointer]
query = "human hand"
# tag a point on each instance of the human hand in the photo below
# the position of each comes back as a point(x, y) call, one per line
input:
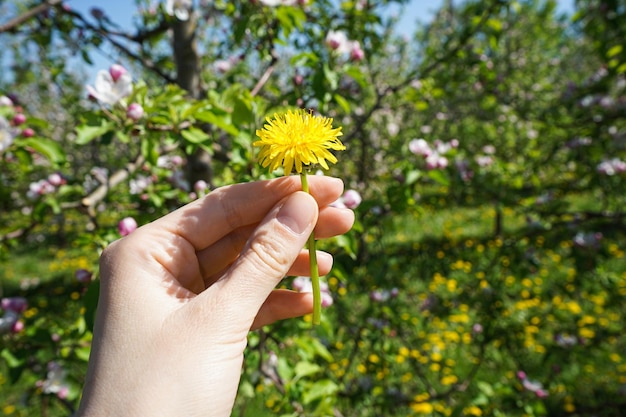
point(178, 296)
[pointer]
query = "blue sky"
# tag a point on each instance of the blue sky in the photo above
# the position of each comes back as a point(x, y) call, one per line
point(122, 11)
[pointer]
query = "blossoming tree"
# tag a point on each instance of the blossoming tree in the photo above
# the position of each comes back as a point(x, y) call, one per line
point(492, 105)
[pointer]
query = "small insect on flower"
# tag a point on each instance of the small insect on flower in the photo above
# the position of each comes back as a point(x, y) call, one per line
point(296, 139)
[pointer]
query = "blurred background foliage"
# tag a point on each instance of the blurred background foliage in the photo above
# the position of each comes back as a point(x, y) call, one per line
point(485, 274)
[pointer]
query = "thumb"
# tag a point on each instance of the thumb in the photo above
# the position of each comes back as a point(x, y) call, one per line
point(268, 254)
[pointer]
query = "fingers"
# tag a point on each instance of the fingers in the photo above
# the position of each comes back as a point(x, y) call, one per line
point(283, 304)
point(300, 267)
point(332, 221)
point(207, 220)
point(265, 260)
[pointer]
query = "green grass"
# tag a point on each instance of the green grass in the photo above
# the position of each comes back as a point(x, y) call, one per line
point(524, 287)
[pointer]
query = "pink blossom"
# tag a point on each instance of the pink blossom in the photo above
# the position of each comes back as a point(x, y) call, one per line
point(5, 101)
point(484, 160)
point(167, 161)
point(201, 186)
point(63, 392)
point(326, 299)
point(126, 226)
point(19, 119)
point(18, 326)
point(275, 3)
point(356, 53)
point(351, 199)
point(304, 284)
point(434, 161)
point(135, 111)
point(298, 79)
point(55, 382)
point(111, 86)
point(28, 132)
point(39, 188)
point(223, 65)
point(117, 71)
point(56, 179)
point(138, 184)
point(381, 295)
point(441, 146)
point(83, 276)
point(15, 304)
point(338, 41)
point(532, 386)
point(420, 147)
point(611, 167)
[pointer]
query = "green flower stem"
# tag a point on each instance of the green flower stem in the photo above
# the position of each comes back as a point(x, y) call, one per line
point(315, 275)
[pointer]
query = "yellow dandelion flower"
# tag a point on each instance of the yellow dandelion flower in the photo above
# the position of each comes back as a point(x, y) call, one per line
point(298, 138)
point(422, 408)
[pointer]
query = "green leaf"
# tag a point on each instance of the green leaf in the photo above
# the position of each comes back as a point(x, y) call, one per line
point(320, 389)
point(87, 133)
point(90, 301)
point(320, 349)
point(346, 244)
point(439, 176)
point(122, 136)
point(195, 135)
point(304, 59)
point(217, 121)
point(242, 112)
point(495, 25)
point(486, 388)
point(412, 176)
point(47, 147)
point(342, 102)
point(616, 50)
point(284, 369)
point(331, 77)
point(82, 353)
point(192, 110)
point(11, 360)
point(303, 369)
point(357, 75)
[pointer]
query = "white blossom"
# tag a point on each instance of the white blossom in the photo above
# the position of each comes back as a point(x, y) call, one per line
point(179, 8)
point(108, 90)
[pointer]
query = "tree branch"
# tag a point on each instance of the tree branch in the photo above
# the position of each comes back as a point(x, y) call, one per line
point(17, 21)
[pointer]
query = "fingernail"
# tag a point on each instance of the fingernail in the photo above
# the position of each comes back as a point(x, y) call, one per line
point(297, 212)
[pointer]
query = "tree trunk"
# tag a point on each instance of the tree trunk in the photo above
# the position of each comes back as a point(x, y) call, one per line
point(188, 77)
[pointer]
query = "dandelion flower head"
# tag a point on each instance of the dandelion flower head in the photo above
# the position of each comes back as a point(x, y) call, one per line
point(298, 138)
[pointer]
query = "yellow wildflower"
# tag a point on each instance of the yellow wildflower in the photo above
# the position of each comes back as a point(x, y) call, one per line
point(298, 138)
